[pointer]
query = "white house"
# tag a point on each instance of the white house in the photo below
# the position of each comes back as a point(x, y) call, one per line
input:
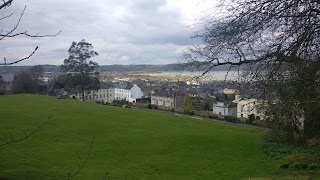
point(136, 92)
point(122, 94)
point(246, 107)
point(109, 93)
point(225, 109)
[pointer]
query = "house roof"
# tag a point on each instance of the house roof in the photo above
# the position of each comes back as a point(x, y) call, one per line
point(129, 87)
point(225, 104)
point(165, 93)
point(121, 86)
point(106, 85)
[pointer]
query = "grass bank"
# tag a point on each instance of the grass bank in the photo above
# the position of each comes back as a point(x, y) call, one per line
point(129, 144)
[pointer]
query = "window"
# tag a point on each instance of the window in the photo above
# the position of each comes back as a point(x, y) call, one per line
point(242, 108)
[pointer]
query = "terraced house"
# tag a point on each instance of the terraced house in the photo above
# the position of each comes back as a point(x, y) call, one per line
point(168, 100)
point(107, 93)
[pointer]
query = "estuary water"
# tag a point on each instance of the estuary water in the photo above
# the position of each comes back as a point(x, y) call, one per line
point(212, 75)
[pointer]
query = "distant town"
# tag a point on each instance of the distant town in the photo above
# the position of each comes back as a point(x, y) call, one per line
point(213, 95)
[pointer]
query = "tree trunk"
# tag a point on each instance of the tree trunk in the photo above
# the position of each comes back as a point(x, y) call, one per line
point(82, 95)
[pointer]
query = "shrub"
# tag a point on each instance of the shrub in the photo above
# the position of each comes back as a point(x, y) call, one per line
point(231, 119)
point(285, 166)
point(251, 119)
point(298, 166)
point(313, 166)
point(213, 116)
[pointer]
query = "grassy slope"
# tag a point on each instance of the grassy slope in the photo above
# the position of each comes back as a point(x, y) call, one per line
point(129, 143)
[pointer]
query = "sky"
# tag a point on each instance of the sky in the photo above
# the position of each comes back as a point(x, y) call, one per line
point(121, 31)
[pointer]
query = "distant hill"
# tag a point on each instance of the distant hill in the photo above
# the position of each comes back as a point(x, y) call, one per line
point(115, 68)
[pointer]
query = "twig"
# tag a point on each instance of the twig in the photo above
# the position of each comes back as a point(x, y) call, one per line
point(29, 35)
point(6, 3)
point(16, 26)
point(82, 162)
point(5, 64)
point(6, 16)
point(27, 135)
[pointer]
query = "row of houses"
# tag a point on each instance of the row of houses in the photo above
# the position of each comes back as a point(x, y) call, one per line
point(168, 100)
point(107, 94)
point(240, 108)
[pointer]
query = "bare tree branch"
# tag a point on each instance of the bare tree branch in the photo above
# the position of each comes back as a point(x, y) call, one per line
point(6, 16)
point(12, 140)
point(16, 26)
point(15, 62)
point(5, 4)
point(29, 35)
point(82, 162)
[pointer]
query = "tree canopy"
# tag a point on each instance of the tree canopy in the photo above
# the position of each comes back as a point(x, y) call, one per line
point(280, 40)
point(80, 75)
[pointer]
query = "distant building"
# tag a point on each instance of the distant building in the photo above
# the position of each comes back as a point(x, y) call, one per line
point(136, 91)
point(108, 93)
point(225, 109)
point(168, 100)
point(8, 79)
point(101, 95)
point(246, 107)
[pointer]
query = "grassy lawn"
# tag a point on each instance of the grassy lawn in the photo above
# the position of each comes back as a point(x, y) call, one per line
point(129, 144)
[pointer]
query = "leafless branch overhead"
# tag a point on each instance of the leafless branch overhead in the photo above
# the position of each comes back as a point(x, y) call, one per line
point(29, 35)
point(15, 62)
point(27, 135)
point(6, 16)
point(82, 162)
point(6, 3)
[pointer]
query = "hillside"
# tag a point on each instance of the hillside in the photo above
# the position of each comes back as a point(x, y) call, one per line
point(129, 144)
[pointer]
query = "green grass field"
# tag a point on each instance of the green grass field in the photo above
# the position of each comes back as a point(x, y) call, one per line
point(129, 144)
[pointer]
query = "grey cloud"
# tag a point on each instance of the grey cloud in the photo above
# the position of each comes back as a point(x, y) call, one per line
point(126, 31)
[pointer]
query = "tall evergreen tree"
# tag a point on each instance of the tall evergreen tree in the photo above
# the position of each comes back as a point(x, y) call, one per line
point(187, 106)
point(80, 72)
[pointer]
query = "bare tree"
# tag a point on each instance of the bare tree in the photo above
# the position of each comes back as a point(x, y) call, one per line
point(280, 42)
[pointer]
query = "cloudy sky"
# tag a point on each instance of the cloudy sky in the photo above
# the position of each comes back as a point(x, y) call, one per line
point(121, 31)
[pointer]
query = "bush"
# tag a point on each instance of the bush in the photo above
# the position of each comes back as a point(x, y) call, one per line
point(285, 166)
point(151, 106)
point(213, 116)
point(313, 166)
point(251, 119)
point(298, 166)
point(231, 119)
